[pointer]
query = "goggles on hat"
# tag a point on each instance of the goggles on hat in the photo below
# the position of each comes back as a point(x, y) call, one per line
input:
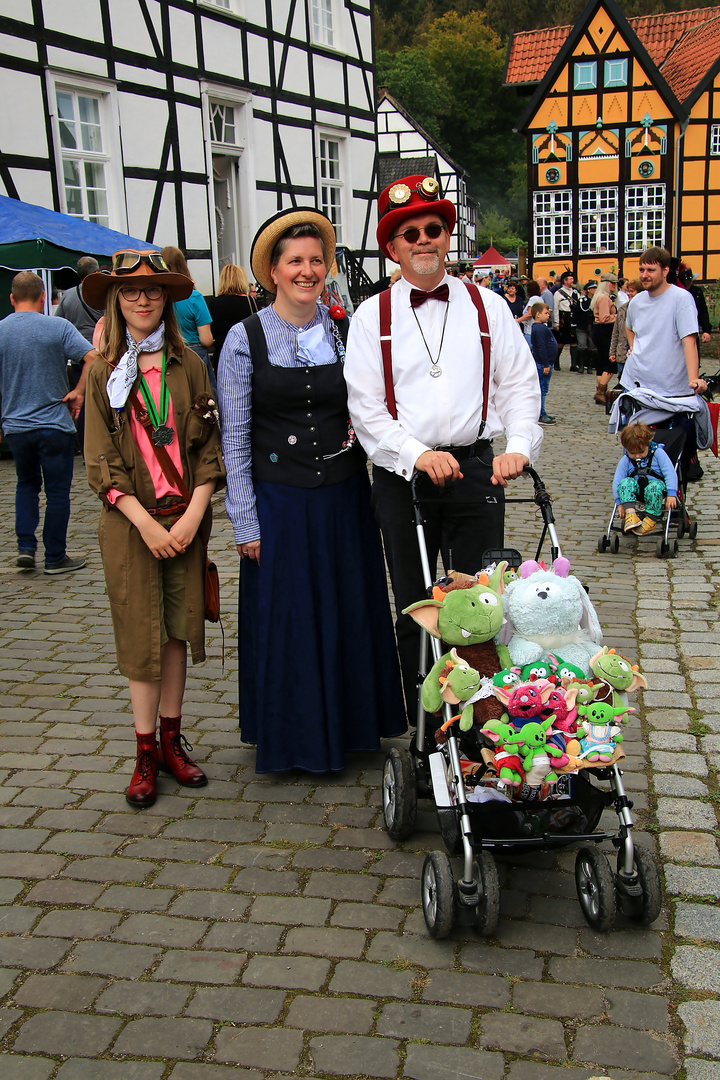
point(124, 262)
point(432, 231)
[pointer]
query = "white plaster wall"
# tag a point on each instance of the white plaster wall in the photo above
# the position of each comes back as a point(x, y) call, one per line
point(33, 187)
point(22, 130)
point(223, 50)
point(70, 61)
point(182, 37)
point(129, 30)
point(197, 227)
point(258, 63)
point(328, 78)
point(142, 126)
point(190, 137)
point(299, 153)
point(139, 197)
point(140, 76)
point(296, 78)
point(73, 16)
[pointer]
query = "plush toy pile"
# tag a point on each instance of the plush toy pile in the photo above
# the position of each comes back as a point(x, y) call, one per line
point(548, 698)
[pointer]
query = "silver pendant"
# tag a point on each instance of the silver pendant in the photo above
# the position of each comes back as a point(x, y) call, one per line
point(436, 372)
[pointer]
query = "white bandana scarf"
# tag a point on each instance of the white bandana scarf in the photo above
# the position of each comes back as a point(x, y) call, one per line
point(121, 381)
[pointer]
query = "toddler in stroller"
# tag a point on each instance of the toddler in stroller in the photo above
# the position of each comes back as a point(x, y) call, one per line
point(645, 478)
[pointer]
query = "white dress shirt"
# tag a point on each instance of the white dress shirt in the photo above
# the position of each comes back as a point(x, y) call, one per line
point(446, 410)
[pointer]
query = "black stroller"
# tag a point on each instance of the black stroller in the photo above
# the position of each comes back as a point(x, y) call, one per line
point(671, 420)
point(474, 828)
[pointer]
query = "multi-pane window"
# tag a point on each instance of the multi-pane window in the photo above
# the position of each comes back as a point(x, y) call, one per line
point(616, 73)
point(715, 140)
point(552, 220)
point(331, 182)
point(83, 155)
point(598, 220)
point(222, 123)
point(585, 75)
point(323, 31)
point(644, 216)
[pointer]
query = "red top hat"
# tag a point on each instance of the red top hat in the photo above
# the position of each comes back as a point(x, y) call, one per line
point(407, 198)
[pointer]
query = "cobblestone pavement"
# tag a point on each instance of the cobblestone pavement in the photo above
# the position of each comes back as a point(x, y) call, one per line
point(267, 928)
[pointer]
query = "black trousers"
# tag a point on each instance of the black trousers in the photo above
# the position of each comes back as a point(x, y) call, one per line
point(462, 521)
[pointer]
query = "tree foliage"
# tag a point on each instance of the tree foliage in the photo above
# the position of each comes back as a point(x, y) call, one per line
point(443, 60)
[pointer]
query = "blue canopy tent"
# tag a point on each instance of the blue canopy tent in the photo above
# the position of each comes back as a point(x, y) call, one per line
point(34, 238)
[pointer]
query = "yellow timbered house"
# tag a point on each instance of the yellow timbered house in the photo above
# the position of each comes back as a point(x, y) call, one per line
point(623, 135)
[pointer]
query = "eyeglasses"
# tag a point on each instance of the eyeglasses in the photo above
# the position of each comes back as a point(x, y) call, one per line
point(152, 292)
point(432, 231)
point(124, 262)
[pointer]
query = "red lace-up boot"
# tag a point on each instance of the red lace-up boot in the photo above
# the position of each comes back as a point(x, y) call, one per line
point(143, 785)
point(173, 758)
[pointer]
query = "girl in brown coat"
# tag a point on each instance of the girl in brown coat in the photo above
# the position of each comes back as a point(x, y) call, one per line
point(149, 388)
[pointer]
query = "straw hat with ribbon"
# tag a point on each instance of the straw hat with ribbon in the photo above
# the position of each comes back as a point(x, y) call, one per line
point(275, 228)
point(135, 268)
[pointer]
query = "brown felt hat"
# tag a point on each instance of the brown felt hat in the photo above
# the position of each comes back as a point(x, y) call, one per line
point(275, 227)
point(149, 269)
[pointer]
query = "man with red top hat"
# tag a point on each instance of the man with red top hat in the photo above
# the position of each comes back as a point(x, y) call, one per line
point(417, 363)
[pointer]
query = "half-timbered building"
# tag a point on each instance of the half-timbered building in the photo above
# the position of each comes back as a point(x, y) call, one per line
point(405, 148)
point(623, 139)
point(190, 122)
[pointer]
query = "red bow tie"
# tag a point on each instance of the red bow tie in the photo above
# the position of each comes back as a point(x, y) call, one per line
point(418, 297)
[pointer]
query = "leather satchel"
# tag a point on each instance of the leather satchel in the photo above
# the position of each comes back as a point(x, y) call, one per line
point(212, 578)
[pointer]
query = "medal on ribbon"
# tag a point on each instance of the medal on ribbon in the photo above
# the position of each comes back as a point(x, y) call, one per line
point(162, 434)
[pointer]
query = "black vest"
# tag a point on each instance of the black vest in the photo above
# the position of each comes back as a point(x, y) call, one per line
point(299, 415)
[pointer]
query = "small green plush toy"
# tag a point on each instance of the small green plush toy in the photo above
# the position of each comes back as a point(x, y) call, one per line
point(456, 683)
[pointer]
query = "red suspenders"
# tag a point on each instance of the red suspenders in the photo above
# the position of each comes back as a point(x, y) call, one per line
point(386, 348)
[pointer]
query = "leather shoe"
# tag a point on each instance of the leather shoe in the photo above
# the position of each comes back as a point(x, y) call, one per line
point(143, 785)
point(173, 758)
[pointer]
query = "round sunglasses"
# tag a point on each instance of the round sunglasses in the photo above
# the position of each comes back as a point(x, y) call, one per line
point(411, 236)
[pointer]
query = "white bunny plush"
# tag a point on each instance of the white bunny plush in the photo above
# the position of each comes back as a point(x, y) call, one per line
point(548, 611)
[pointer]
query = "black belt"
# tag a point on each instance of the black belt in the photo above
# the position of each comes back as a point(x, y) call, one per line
point(460, 453)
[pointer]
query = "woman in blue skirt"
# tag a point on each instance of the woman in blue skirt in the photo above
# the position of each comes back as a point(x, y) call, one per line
point(318, 668)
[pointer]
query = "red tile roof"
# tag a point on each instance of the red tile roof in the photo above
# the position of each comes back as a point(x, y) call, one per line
point(533, 51)
point(692, 57)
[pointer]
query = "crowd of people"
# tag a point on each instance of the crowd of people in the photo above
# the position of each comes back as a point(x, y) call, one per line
point(283, 403)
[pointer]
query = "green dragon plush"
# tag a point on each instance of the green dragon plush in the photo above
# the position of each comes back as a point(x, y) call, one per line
point(616, 677)
point(466, 615)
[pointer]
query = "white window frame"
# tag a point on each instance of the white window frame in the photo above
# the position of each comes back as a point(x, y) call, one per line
point(230, 7)
point(552, 222)
point(598, 220)
point(610, 80)
point(110, 157)
point(715, 140)
point(328, 37)
point(585, 75)
point(645, 206)
point(332, 190)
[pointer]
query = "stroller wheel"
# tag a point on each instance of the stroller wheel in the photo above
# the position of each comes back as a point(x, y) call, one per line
point(661, 548)
point(438, 894)
point(692, 530)
point(399, 794)
point(647, 909)
point(602, 544)
point(673, 549)
point(487, 912)
point(681, 530)
point(615, 544)
point(595, 888)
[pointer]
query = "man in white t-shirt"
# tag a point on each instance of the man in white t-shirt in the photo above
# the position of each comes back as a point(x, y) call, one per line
point(662, 327)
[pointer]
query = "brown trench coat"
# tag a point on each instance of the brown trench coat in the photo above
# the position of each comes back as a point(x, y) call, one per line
point(113, 460)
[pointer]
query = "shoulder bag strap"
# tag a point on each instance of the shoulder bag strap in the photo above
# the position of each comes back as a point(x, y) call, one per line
point(485, 342)
point(386, 348)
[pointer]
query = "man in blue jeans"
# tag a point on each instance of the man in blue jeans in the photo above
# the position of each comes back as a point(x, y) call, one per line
point(37, 418)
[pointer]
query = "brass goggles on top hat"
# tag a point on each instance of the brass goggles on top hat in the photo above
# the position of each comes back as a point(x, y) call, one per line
point(124, 262)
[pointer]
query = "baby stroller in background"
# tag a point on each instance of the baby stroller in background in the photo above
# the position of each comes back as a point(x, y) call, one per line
point(670, 419)
point(474, 830)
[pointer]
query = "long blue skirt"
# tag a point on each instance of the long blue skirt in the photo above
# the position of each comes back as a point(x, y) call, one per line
point(318, 669)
